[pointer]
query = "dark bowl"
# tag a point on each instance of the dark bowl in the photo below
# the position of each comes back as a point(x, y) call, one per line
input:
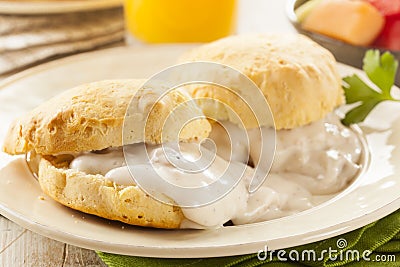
point(346, 53)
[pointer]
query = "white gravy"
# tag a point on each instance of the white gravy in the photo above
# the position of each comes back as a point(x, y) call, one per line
point(311, 163)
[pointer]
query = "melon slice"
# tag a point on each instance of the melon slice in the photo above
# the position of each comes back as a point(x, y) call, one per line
point(305, 9)
point(353, 21)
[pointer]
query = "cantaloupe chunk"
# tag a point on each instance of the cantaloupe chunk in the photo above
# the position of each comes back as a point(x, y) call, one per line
point(353, 21)
point(305, 9)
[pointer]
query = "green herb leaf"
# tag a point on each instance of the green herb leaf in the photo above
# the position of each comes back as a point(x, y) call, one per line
point(381, 70)
point(359, 113)
point(356, 90)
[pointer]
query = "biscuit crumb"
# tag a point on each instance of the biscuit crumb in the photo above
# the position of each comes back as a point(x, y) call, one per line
point(41, 198)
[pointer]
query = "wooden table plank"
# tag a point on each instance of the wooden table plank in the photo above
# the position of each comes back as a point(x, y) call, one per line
point(20, 247)
point(81, 257)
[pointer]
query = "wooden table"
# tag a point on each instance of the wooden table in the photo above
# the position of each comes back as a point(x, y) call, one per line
point(21, 247)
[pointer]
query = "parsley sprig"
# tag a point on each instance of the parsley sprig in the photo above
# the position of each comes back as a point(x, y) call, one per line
point(381, 70)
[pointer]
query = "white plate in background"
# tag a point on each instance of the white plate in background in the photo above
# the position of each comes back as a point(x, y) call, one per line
point(372, 196)
point(54, 6)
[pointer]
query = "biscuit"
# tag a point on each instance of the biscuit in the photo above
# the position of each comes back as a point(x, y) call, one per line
point(94, 194)
point(296, 75)
point(91, 117)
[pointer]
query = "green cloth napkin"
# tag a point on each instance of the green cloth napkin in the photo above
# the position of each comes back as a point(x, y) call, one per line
point(379, 241)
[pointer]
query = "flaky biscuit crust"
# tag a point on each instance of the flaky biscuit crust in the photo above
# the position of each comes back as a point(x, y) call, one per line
point(94, 194)
point(91, 117)
point(297, 76)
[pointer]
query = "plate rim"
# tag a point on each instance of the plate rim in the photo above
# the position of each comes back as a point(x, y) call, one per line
point(55, 7)
point(191, 252)
point(78, 57)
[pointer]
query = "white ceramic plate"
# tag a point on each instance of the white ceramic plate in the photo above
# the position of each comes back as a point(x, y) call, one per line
point(373, 195)
point(55, 6)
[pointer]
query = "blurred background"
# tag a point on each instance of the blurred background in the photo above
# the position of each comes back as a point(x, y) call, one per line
point(33, 32)
point(36, 31)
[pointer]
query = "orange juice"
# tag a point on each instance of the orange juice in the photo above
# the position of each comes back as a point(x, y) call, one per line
point(159, 21)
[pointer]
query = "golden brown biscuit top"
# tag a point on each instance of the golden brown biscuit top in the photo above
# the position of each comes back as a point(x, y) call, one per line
point(297, 76)
point(91, 117)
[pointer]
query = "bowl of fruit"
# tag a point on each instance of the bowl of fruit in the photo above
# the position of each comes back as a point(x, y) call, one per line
point(348, 28)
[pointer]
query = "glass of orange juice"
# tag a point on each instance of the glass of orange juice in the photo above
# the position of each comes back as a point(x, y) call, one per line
point(173, 21)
